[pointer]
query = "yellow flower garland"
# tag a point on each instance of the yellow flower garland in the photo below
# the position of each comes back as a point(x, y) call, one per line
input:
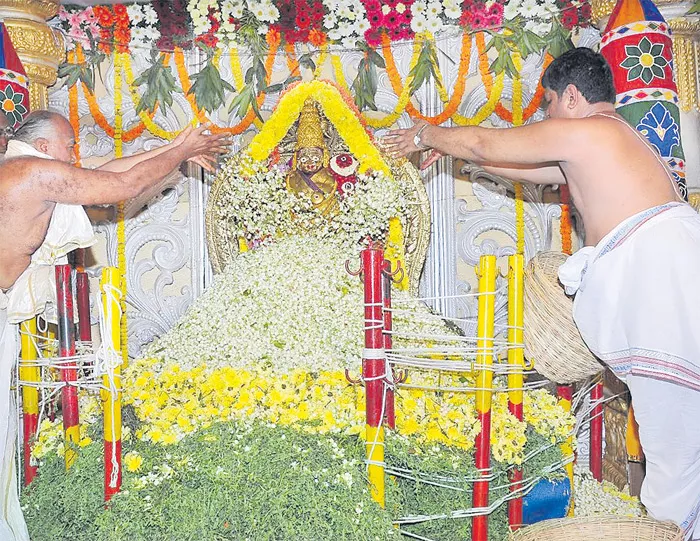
point(518, 121)
point(119, 62)
point(337, 112)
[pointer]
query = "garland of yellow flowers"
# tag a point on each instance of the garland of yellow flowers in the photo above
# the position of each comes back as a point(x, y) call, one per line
point(534, 104)
point(518, 121)
point(335, 109)
point(321, 60)
point(119, 62)
point(130, 135)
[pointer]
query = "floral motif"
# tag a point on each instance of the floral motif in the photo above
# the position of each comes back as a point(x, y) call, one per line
point(644, 61)
point(661, 129)
point(11, 104)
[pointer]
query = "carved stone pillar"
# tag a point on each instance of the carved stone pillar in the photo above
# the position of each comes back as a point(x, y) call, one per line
point(40, 48)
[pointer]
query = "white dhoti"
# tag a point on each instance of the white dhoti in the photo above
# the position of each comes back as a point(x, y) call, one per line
point(637, 307)
point(32, 294)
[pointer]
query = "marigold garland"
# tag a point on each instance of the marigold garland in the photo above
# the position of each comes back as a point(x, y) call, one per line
point(73, 116)
point(336, 110)
point(119, 61)
point(534, 104)
point(565, 220)
point(130, 135)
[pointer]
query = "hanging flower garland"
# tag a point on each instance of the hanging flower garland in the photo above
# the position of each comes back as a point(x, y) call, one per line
point(565, 220)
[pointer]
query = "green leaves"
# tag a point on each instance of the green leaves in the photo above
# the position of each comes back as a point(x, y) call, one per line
point(365, 84)
point(425, 67)
point(504, 61)
point(85, 71)
point(160, 85)
point(695, 8)
point(558, 39)
point(209, 87)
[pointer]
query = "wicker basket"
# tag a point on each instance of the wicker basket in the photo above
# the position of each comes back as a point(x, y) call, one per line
point(552, 341)
point(609, 528)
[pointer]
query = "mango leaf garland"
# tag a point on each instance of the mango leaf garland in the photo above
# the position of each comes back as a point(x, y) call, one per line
point(365, 84)
point(425, 67)
point(208, 87)
point(160, 85)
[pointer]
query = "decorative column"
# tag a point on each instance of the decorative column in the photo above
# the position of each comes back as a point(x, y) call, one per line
point(40, 48)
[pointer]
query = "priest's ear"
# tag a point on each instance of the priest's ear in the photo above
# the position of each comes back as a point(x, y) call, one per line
point(571, 96)
point(42, 145)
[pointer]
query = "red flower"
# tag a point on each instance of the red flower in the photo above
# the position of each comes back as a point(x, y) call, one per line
point(373, 6)
point(569, 18)
point(405, 17)
point(373, 37)
point(303, 21)
point(478, 21)
point(585, 12)
point(375, 19)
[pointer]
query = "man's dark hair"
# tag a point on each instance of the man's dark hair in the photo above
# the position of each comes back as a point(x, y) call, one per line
point(586, 70)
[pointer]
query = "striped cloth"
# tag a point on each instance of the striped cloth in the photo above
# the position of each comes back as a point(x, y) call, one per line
point(637, 307)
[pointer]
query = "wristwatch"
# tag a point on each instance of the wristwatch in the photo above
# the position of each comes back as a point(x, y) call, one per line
point(417, 140)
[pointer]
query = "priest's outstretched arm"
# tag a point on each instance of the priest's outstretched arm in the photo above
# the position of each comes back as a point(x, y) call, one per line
point(529, 153)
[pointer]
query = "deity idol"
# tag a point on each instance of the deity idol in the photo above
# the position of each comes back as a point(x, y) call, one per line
point(310, 174)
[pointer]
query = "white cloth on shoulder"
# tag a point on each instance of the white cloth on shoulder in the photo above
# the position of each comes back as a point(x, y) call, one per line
point(33, 293)
point(637, 307)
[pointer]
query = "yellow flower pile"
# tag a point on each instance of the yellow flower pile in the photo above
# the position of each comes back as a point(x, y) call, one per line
point(173, 402)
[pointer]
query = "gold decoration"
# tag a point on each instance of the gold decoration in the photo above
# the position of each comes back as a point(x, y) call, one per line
point(40, 48)
point(686, 72)
point(694, 200)
point(38, 10)
point(310, 130)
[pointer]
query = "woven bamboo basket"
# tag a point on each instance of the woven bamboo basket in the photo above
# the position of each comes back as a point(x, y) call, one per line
point(552, 341)
point(609, 528)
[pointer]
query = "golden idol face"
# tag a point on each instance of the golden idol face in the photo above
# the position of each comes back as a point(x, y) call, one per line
point(310, 160)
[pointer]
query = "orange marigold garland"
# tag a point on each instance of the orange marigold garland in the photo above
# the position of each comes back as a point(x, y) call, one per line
point(73, 115)
point(565, 221)
point(534, 104)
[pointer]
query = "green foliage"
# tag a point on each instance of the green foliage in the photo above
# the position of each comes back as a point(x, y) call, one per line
point(425, 67)
point(208, 87)
point(558, 39)
point(160, 85)
point(695, 9)
point(365, 84)
point(261, 482)
point(85, 71)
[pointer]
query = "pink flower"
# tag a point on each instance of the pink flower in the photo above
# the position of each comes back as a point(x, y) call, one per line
point(373, 6)
point(74, 19)
point(78, 34)
point(90, 16)
point(494, 22)
point(62, 14)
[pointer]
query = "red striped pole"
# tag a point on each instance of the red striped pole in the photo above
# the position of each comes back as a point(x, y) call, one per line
point(566, 395)
point(484, 358)
point(516, 363)
point(389, 413)
point(83, 298)
point(373, 368)
point(68, 370)
point(596, 458)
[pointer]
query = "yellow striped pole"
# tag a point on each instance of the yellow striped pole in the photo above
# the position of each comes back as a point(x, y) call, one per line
point(484, 361)
point(111, 392)
point(29, 373)
point(516, 363)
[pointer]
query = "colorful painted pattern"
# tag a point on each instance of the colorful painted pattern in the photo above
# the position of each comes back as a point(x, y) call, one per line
point(637, 45)
point(14, 85)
